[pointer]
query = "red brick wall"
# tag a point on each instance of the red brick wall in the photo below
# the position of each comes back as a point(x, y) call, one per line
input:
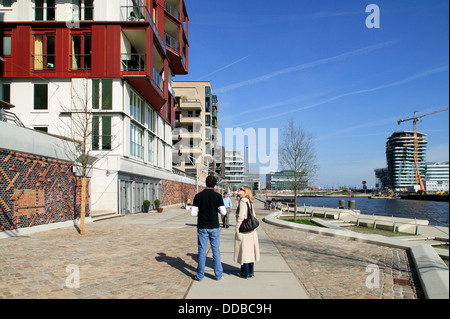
point(35, 190)
point(177, 193)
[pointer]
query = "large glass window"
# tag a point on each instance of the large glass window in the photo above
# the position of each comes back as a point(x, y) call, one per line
point(82, 10)
point(102, 94)
point(136, 145)
point(137, 108)
point(44, 52)
point(101, 133)
point(44, 10)
point(81, 52)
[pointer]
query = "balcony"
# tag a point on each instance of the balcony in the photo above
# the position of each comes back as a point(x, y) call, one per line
point(190, 119)
point(175, 35)
point(141, 13)
point(190, 104)
point(133, 62)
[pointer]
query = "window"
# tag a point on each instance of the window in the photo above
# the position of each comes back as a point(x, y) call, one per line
point(41, 129)
point(7, 45)
point(102, 100)
point(136, 146)
point(6, 91)
point(82, 10)
point(81, 52)
point(44, 52)
point(7, 3)
point(40, 96)
point(101, 133)
point(137, 110)
point(150, 120)
point(150, 149)
point(44, 10)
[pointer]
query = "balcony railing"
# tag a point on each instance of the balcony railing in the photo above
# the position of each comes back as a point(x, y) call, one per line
point(158, 79)
point(80, 61)
point(172, 42)
point(141, 13)
point(44, 61)
point(133, 62)
point(169, 8)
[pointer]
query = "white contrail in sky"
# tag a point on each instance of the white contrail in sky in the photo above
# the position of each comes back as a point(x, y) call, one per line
point(304, 66)
point(406, 80)
point(225, 67)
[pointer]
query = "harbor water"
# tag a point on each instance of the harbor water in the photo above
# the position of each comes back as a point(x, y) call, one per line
point(436, 212)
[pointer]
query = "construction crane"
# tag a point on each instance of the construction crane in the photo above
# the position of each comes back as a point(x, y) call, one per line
point(415, 120)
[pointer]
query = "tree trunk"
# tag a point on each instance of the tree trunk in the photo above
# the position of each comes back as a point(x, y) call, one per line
point(295, 206)
point(83, 206)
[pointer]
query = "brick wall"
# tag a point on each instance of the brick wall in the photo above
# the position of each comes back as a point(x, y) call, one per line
point(176, 192)
point(35, 190)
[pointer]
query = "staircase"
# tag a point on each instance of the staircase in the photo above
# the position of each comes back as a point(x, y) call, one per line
point(103, 215)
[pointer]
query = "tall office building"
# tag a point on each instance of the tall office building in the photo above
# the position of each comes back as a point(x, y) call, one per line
point(115, 59)
point(400, 160)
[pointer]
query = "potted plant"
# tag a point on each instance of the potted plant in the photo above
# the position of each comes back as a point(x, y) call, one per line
point(146, 206)
point(157, 203)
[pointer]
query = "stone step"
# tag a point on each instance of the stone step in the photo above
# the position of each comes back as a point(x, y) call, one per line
point(102, 215)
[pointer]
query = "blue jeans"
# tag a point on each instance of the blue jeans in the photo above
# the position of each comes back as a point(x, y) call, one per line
point(214, 237)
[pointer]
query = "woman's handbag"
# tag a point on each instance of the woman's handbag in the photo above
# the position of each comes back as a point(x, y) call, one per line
point(250, 223)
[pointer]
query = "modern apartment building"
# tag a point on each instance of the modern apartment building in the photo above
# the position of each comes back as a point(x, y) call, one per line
point(285, 180)
point(196, 133)
point(114, 58)
point(400, 160)
point(234, 168)
point(437, 177)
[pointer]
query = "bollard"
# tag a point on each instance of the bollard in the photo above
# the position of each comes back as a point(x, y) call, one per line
point(342, 204)
point(351, 204)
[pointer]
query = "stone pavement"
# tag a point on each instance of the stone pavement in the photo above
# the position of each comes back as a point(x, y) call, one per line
point(153, 256)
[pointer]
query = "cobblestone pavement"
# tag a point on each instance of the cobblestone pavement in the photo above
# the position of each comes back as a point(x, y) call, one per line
point(334, 268)
point(116, 258)
point(123, 258)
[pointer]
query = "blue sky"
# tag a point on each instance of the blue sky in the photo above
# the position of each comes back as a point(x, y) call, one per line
point(318, 63)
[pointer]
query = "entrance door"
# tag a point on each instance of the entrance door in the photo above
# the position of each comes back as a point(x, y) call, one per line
point(125, 196)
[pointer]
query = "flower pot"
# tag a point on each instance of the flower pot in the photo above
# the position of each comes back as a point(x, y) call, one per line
point(160, 210)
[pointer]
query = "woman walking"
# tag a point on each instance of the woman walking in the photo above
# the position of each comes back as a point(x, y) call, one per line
point(246, 245)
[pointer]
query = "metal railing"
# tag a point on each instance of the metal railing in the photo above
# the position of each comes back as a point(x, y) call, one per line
point(172, 42)
point(9, 117)
point(133, 61)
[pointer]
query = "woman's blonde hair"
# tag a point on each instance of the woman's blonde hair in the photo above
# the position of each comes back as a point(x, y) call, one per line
point(248, 193)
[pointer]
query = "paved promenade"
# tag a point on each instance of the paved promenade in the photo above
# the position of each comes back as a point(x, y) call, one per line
point(153, 256)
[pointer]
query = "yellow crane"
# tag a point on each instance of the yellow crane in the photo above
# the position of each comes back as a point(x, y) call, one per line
point(415, 120)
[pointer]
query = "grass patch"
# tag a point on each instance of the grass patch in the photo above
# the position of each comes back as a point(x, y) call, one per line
point(302, 221)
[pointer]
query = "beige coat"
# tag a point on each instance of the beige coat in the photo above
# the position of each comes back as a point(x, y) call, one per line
point(246, 245)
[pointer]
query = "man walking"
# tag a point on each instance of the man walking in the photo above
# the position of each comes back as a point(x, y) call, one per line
point(206, 206)
point(228, 207)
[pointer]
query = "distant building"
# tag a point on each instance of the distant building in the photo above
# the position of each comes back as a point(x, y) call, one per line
point(195, 136)
point(234, 168)
point(437, 177)
point(400, 160)
point(284, 180)
point(252, 181)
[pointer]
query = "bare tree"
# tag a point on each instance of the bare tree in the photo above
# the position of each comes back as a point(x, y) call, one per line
point(297, 154)
point(78, 125)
